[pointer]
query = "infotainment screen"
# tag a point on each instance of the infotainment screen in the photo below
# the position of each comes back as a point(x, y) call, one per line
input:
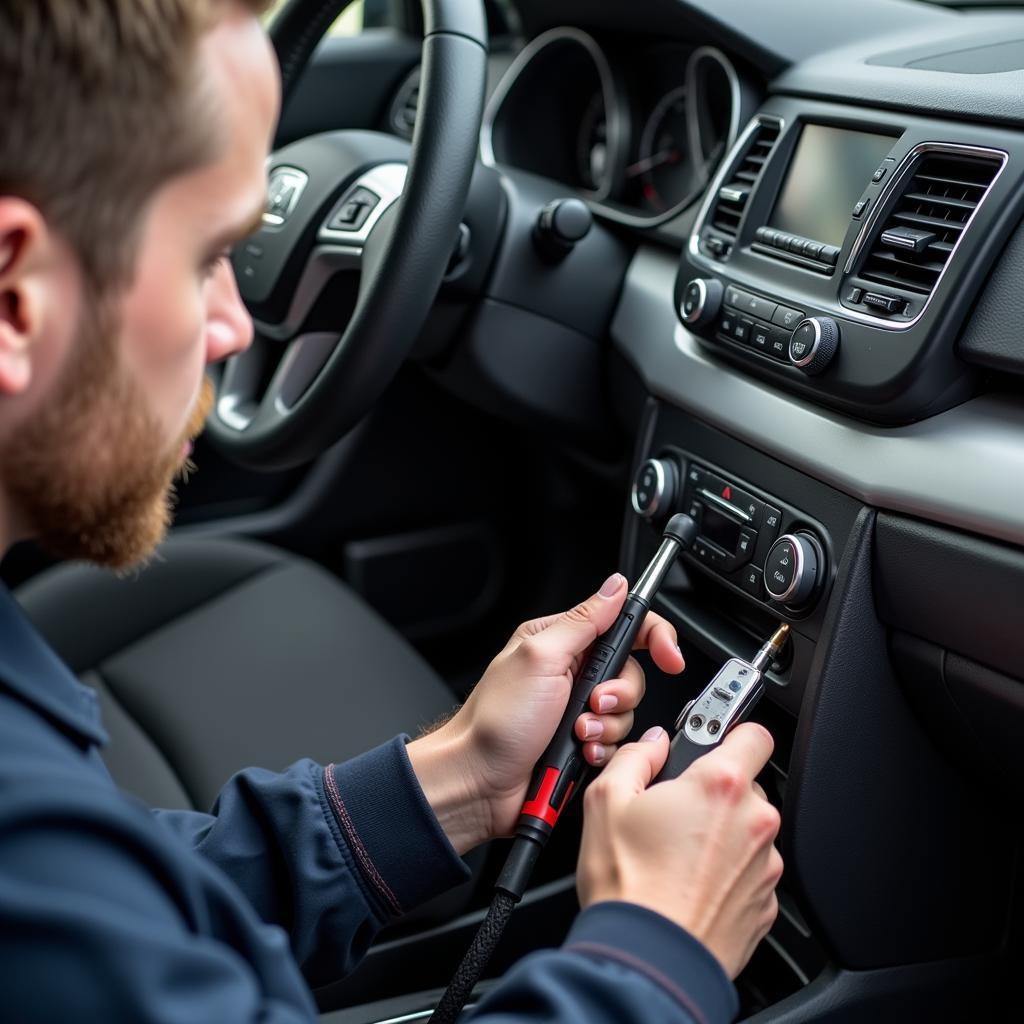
point(829, 171)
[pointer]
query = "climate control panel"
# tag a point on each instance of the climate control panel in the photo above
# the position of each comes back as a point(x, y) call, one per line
point(751, 540)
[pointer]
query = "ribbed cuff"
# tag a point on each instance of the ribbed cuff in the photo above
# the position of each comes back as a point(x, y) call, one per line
point(396, 841)
point(660, 950)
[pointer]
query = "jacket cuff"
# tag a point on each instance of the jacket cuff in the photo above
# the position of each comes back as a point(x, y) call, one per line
point(660, 950)
point(396, 842)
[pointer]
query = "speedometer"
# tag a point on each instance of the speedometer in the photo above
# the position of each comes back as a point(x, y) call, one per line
point(663, 168)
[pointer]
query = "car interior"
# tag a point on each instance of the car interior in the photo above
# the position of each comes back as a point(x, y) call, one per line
point(534, 276)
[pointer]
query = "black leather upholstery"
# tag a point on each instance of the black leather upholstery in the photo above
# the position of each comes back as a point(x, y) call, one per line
point(224, 654)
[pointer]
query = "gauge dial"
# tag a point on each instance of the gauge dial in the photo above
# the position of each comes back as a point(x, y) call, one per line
point(663, 167)
point(592, 145)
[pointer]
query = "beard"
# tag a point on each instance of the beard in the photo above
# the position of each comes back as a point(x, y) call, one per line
point(91, 472)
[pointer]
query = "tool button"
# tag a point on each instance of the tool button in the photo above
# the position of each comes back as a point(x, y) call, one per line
point(778, 347)
point(741, 329)
point(696, 722)
point(752, 582)
point(735, 686)
point(616, 637)
point(786, 317)
point(760, 337)
point(722, 694)
point(754, 305)
point(714, 727)
point(745, 546)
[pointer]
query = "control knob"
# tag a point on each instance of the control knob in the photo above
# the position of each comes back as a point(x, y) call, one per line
point(794, 569)
point(655, 487)
point(702, 298)
point(814, 343)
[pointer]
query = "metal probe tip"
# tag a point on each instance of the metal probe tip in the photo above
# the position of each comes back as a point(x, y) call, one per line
point(766, 655)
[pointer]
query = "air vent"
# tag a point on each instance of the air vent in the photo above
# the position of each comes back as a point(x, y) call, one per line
point(732, 197)
point(405, 105)
point(920, 232)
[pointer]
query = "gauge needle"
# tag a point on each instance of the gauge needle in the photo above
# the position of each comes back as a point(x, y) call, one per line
point(648, 163)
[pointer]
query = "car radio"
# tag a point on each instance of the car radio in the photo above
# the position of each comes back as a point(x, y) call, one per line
point(838, 256)
point(740, 533)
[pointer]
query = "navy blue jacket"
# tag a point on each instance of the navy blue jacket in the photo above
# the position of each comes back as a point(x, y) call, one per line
point(111, 912)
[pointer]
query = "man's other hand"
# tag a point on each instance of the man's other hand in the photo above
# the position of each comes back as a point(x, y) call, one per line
point(475, 769)
point(697, 849)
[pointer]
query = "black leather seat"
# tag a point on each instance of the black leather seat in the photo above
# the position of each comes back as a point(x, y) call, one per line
point(225, 654)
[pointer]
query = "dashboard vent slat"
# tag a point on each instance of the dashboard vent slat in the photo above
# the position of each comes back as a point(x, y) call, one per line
point(731, 200)
point(936, 200)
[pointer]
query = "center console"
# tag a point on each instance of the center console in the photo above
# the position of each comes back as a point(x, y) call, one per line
point(837, 254)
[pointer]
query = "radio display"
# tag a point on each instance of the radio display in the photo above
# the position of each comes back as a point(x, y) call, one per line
point(719, 529)
point(829, 171)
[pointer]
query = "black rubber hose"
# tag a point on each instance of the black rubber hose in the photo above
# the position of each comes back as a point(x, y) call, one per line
point(460, 988)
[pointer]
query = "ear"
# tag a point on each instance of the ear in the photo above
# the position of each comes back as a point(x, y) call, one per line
point(23, 239)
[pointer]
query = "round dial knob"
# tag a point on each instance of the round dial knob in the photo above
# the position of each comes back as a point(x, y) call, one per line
point(813, 344)
point(702, 298)
point(654, 488)
point(793, 569)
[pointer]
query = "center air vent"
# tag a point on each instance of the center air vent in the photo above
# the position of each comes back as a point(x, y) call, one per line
point(730, 202)
point(935, 205)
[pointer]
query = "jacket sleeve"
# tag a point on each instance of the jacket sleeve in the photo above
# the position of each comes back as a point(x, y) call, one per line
point(620, 964)
point(330, 854)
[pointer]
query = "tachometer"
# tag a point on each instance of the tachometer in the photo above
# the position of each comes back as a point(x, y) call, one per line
point(663, 167)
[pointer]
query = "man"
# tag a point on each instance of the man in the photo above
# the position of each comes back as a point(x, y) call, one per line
point(132, 157)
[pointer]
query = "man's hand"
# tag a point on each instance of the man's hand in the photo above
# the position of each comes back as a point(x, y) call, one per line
point(697, 849)
point(476, 768)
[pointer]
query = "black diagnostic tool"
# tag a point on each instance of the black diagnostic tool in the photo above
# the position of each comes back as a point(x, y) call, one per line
point(725, 702)
point(561, 767)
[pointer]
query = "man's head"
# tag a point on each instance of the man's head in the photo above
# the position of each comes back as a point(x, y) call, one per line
point(131, 158)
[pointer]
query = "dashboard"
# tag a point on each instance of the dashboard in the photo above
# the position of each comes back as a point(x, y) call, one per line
point(818, 212)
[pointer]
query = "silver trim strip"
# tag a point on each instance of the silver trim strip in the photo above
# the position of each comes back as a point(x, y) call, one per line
point(653, 576)
point(724, 505)
point(962, 467)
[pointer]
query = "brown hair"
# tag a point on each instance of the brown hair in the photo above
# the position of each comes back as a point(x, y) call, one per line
point(101, 103)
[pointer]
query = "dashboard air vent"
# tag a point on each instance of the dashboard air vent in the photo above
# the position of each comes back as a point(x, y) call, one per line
point(733, 195)
point(921, 230)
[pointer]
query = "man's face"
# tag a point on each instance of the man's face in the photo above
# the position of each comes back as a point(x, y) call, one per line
point(119, 387)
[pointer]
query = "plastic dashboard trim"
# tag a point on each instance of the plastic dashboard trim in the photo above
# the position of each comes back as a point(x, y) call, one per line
point(958, 468)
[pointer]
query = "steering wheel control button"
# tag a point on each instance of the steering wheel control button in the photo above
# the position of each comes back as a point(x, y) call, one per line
point(351, 212)
point(702, 298)
point(786, 317)
point(654, 489)
point(813, 344)
point(791, 569)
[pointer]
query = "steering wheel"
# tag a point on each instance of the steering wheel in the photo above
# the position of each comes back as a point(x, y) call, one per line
point(328, 342)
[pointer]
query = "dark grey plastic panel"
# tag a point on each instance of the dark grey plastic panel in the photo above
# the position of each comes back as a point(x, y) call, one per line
point(962, 467)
